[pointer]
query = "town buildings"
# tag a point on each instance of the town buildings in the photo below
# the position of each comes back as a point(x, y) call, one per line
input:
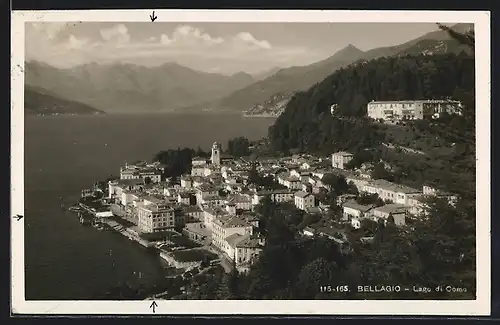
point(215, 202)
point(142, 170)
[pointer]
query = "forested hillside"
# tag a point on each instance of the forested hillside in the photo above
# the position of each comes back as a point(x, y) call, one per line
point(307, 124)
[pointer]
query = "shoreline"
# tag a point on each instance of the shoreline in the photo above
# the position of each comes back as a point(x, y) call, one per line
point(173, 269)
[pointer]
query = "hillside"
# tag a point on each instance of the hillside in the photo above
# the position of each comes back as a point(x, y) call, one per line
point(294, 79)
point(273, 107)
point(265, 74)
point(307, 124)
point(40, 102)
point(132, 88)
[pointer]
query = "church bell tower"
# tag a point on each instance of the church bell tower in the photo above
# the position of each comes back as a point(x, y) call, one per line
point(215, 154)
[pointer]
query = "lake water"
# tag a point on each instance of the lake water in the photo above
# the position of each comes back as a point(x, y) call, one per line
point(64, 154)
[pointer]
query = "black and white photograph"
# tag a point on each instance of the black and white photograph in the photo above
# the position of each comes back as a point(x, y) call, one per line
point(266, 162)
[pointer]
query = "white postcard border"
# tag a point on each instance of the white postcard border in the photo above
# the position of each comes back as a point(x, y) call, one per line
point(480, 306)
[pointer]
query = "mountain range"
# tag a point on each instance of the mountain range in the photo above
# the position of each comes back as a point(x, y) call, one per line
point(133, 88)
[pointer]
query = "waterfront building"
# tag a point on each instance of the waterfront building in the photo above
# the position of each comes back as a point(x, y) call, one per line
point(116, 188)
point(341, 158)
point(412, 109)
point(225, 226)
point(155, 216)
point(198, 232)
point(142, 170)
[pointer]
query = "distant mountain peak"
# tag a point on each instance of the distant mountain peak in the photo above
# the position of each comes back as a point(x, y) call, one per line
point(351, 47)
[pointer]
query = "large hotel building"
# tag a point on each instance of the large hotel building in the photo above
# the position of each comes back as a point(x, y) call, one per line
point(411, 109)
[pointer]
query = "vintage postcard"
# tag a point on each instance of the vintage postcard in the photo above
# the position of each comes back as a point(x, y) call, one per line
point(265, 162)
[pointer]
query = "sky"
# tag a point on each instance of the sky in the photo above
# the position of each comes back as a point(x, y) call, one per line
point(225, 48)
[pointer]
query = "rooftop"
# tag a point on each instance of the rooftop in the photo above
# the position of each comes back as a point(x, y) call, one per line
point(389, 186)
point(235, 239)
point(277, 191)
point(343, 153)
point(354, 205)
point(393, 208)
point(192, 208)
point(130, 182)
point(229, 221)
point(249, 243)
point(302, 194)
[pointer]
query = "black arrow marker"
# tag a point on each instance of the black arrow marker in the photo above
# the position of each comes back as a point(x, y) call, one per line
point(153, 305)
point(152, 16)
point(18, 217)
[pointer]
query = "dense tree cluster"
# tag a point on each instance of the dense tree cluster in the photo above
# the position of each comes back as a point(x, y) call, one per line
point(177, 161)
point(238, 147)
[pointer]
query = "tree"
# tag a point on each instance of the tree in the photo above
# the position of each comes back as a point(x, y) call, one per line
point(233, 280)
point(337, 183)
point(467, 38)
point(379, 172)
point(238, 147)
point(313, 275)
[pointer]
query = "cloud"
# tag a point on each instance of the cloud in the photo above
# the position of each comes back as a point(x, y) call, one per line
point(248, 38)
point(188, 36)
point(164, 39)
point(75, 43)
point(117, 34)
point(50, 30)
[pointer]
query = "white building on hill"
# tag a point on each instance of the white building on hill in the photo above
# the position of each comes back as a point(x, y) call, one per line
point(341, 158)
point(411, 109)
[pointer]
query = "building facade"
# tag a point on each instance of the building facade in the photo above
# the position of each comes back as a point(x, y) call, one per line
point(411, 109)
point(304, 200)
point(395, 193)
point(340, 159)
point(216, 154)
point(154, 217)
